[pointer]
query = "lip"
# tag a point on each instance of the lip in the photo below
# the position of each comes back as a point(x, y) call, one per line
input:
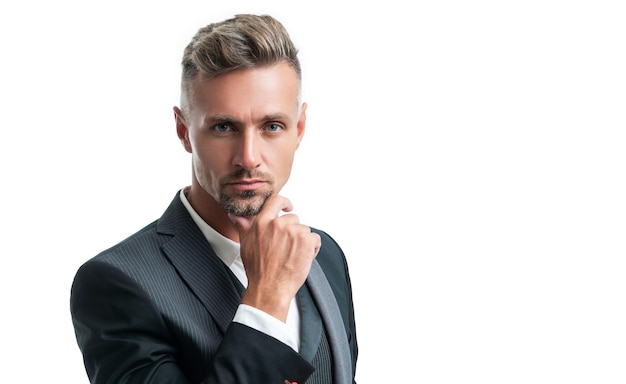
point(247, 185)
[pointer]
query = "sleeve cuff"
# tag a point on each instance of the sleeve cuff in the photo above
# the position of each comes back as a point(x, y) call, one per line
point(263, 322)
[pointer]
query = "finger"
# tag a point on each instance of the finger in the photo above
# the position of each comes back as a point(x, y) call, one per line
point(318, 243)
point(291, 218)
point(273, 206)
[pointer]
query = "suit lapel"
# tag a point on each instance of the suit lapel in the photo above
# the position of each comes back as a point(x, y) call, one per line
point(206, 275)
point(311, 329)
point(198, 265)
point(331, 316)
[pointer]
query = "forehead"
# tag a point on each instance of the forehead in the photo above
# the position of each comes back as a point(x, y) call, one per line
point(267, 84)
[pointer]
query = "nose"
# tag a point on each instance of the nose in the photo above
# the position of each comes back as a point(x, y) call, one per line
point(248, 151)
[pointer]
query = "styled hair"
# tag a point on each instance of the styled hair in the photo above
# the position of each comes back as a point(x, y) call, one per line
point(244, 41)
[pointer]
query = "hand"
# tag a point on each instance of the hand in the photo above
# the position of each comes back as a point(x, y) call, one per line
point(277, 253)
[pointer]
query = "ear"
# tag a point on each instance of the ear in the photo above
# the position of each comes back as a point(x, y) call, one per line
point(181, 129)
point(301, 123)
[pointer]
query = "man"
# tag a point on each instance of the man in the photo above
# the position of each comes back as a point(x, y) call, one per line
point(227, 286)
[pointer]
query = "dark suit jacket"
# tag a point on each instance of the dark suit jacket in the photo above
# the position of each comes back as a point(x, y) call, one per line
point(157, 308)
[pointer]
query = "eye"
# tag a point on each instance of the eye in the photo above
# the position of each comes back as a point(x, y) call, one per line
point(273, 127)
point(224, 127)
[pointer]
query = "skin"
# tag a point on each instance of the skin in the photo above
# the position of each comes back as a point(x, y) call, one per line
point(242, 130)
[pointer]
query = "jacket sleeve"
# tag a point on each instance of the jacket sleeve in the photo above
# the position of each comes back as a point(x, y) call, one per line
point(124, 339)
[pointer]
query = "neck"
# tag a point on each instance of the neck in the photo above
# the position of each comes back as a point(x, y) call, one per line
point(210, 211)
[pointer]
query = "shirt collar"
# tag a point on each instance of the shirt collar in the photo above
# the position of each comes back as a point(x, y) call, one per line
point(226, 249)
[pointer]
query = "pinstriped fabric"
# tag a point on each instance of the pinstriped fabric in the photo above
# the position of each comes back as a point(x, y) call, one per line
point(323, 363)
point(205, 274)
point(197, 264)
point(172, 264)
point(181, 310)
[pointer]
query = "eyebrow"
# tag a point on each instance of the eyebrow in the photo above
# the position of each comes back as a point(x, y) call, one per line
point(216, 119)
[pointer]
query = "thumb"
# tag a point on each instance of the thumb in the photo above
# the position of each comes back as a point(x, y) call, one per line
point(242, 224)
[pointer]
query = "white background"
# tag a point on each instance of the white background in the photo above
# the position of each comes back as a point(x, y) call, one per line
point(469, 156)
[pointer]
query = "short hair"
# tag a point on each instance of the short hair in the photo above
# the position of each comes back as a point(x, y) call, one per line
point(244, 41)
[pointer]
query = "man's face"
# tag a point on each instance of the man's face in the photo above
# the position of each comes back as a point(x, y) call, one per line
point(242, 130)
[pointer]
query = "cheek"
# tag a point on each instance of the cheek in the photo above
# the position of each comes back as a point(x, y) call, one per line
point(207, 168)
point(284, 164)
point(208, 155)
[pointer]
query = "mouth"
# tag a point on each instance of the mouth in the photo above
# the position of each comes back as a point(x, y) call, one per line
point(247, 184)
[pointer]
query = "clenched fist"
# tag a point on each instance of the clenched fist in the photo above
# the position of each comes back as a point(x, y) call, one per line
point(277, 252)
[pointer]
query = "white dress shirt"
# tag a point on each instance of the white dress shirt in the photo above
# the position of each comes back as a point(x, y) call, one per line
point(228, 251)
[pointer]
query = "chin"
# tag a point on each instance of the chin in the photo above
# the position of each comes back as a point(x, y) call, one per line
point(246, 206)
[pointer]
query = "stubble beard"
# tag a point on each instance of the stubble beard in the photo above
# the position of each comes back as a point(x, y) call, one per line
point(245, 203)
